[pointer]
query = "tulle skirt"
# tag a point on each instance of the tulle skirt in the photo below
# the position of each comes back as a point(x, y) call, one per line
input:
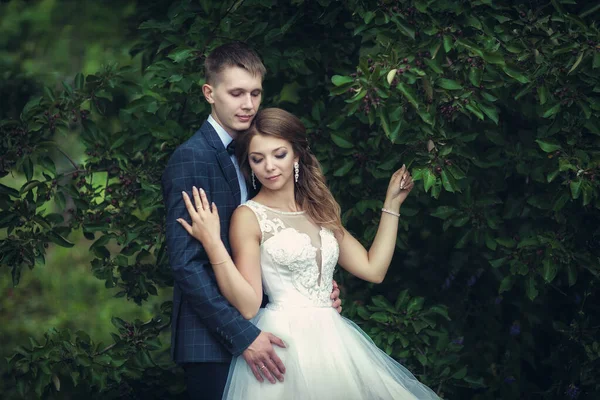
point(327, 357)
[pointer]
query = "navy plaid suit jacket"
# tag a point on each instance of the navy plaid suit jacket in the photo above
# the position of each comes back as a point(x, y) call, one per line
point(205, 327)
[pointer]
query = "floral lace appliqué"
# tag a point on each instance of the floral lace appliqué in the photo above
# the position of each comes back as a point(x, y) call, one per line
point(294, 250)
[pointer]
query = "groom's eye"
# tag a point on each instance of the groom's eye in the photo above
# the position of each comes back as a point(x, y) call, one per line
point(236, 94)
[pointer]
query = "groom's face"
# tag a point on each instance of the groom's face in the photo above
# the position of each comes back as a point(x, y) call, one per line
point(235, 97)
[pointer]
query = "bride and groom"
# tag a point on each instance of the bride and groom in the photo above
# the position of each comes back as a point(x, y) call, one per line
point(284, 242)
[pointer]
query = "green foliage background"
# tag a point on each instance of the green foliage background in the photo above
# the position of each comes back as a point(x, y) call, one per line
point(492, 104)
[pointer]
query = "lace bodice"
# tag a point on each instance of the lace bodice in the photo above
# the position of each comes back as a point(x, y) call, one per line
point(297, 258)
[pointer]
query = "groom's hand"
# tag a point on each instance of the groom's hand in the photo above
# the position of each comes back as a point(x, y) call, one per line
point(263, 360)
point(335, 296)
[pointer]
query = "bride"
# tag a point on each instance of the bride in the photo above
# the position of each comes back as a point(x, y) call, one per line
point(287, 241)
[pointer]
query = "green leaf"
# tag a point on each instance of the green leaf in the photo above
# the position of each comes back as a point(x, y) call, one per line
point(434, 65)
point(552, 175)
point(577, 62)
point(339, 80)
point(428, 179)
point(179, 55)
point(498, 262)
point(443, 311)
point(515, 75)
point(28, 168)
point(506, 284)
point(343, 170)
point(448, 182)
point(448, 43)
point(548, 146)
point(543, 94)
point(475, 76)
point(404, 29)
point(549, 271)
point(464, 239)
point(30, 185)
point(9, 191)
point(596, 63)
point(531, 288)
point(415, 304)
point(572, 274)
point(551, 111)
point(408, 94)
point(575, 188)
point(58, 239)
point(380, 316)
point(79, 81)
point(444, 212)
point(490, 111)
point(449, 84)
point(460, 374)
point(475, 110)
point(341, 142)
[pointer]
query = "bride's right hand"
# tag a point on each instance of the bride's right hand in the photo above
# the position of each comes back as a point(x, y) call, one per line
point(206, 225)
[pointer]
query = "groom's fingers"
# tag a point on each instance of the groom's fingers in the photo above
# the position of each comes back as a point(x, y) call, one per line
point(272, 370)
point(256, 373)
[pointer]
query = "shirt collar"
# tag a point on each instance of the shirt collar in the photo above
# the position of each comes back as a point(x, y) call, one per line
point(223, 135)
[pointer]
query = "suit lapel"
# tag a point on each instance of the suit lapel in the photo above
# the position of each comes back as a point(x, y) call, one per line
point(224, 159)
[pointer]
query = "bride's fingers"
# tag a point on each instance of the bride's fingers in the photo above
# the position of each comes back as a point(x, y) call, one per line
point(215, 210)
point(197, 201)
point(185, 225)
point(205, 203)
point(188, 204)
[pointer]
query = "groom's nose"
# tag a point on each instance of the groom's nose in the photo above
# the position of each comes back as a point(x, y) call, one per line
point(247, 104)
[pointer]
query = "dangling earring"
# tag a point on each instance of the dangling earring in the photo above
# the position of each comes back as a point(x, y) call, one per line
point(296, 171)
point(253, 181)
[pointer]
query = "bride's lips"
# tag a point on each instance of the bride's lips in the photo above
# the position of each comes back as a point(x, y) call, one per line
point(273, 178)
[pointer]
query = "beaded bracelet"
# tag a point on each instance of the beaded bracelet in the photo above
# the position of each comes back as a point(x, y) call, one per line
point(385, 210)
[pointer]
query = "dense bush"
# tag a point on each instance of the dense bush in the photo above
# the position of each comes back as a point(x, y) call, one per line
point(493, 106)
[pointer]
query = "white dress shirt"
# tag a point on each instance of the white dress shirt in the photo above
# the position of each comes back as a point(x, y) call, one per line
point(226, 139)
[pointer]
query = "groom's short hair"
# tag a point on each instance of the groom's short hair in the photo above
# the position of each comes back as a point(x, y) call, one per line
point(234, 54)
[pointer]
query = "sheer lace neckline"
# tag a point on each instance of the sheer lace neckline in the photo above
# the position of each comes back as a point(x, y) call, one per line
point(277, 211)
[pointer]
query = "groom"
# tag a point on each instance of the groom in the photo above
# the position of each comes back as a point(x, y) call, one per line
point(206, 330)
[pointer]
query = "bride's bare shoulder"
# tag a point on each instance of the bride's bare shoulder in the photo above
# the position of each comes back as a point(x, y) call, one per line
point(244, 219)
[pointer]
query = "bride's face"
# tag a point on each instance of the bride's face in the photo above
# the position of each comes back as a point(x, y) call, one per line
point(272, 160)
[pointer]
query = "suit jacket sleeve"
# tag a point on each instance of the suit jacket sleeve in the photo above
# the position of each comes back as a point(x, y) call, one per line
point(189, 261)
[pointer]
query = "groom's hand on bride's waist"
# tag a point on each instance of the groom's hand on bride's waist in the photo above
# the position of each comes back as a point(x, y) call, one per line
point(335, 296)
point(262, 359)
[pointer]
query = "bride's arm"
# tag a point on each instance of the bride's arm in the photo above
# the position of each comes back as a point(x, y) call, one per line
point(239, 282)
point(372, 265)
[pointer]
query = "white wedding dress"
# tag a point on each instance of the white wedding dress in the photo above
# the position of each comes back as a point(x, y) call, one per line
point(327, 355)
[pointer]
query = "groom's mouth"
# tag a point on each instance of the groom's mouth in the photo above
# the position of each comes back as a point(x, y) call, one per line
point(245, 118)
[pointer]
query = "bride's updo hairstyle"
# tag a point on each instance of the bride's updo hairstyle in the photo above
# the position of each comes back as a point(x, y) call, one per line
point(312, 194)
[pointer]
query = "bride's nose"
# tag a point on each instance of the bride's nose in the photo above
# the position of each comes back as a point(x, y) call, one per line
point(269, 165)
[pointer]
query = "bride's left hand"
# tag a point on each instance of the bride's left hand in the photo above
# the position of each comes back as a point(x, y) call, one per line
point(400, 185)
point(206, 226)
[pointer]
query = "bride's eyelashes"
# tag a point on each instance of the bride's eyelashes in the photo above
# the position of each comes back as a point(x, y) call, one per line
point(278, 156)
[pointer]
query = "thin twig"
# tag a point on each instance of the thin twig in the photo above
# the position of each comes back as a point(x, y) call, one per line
point(67, 156)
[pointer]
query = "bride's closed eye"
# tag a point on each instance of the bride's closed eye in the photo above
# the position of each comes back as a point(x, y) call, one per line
point(278, 156)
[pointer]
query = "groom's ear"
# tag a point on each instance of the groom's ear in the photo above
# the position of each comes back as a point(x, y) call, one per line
point(207, 90)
